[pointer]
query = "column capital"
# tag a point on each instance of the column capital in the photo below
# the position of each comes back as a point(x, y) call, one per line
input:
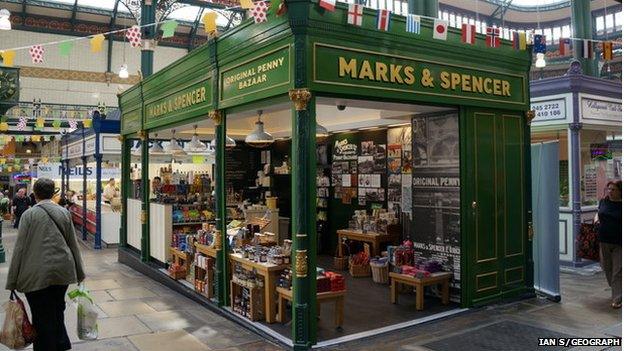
point(300, 97)
point(576, 126)
point(121, 138)
point(530, 114)
point(216, 116)
point(142, 135)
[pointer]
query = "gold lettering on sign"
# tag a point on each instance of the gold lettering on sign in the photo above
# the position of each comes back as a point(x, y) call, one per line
point(177, 102)
point(253, 75)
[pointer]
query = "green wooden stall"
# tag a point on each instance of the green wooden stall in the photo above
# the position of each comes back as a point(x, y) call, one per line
point(308, 53)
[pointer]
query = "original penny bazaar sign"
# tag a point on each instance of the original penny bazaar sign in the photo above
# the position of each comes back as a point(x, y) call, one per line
point(257, 75)
point(356, 68)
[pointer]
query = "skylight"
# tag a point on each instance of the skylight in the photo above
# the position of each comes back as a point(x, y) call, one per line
point(533, 3)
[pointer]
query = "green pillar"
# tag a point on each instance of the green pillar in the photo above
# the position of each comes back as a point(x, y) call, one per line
point(582, 28)
point(427, 8)
point(148, 16)
point(125, 189)
point(145, 195)
point(304, 219)
point(221, 243)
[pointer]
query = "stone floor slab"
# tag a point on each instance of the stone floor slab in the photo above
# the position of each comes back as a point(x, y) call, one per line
point(171, 340)
point(169, 320)
point(101, 284)
point(120, 326)
point(131, 293)
point(125, 308)
point(119, 344)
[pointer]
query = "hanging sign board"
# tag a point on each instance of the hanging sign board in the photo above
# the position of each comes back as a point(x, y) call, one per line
point(131, 122)
point(601, 110)
point(363, 69)
point(54, 171)
point(260, 74)
point(550, 110)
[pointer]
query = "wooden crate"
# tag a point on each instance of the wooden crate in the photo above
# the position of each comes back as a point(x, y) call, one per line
point(359, 270)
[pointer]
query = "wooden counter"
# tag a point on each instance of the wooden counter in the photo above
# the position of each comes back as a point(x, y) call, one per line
point(329, 296)
point(375, 239)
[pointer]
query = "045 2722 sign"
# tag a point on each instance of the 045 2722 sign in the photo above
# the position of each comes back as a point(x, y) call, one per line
point(356, 68)
point(258, 76)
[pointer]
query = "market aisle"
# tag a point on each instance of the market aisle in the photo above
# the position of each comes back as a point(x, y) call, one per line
point(140, 314)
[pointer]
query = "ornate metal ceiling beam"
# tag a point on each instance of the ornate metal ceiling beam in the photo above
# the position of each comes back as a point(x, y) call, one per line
point(209, 5)
point(193, 32)
point(73, 16)
point(499, 12)
point(111, 26)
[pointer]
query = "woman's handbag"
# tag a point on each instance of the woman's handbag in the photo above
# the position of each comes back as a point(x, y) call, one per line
point(587, 245)
point(17, 332)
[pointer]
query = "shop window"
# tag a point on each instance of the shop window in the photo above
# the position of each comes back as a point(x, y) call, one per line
point(609, 23)
point(601, 161)
point(562, 137)
point(600, 24)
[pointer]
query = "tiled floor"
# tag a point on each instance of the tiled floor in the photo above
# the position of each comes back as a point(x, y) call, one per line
point(138, 314)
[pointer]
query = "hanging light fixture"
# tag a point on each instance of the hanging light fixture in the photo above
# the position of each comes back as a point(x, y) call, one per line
point(123, 71)
point(174, 148)
point(229, 143)
point(539, 60)
point(5, 21)
point(321, 132)
point(195, 145)
point(156, 148)
point(259, 138)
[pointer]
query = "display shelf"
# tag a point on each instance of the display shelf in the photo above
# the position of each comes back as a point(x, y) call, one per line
point(255, 301)
point(206, 250)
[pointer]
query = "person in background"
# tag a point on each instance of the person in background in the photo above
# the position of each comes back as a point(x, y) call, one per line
point(20, 204)
point(4, 204)
point(67, 200)
point(156, 186)
point(110, 191)
point(46, 259)
point(32, 199)
point(610, 238)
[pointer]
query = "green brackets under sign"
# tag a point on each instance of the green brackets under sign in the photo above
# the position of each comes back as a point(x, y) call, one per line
point(393, 74)
point(256, 78)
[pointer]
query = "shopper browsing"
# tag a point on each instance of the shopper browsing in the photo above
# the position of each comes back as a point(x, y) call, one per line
point(610, 237)
point(110, 191)
point(45, 261)
point(20, 204)
point(156, 186)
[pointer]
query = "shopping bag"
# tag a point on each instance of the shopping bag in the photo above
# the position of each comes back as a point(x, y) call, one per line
point(17, 332)
point(587, 245)
point(87, 327)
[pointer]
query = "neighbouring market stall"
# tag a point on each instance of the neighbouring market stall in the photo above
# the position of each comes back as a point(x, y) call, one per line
point(90, 158)
point(402, 159)
point(585, 115)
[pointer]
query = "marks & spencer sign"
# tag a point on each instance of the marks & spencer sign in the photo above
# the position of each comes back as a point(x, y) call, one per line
point(356, 68)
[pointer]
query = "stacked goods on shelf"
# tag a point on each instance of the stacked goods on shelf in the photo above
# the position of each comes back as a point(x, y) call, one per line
point(285, 279)
point(246, 292)
point(204, 275)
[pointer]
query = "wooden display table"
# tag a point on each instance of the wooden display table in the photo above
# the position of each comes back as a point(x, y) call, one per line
point(269, 272)
point(206, 250)
point(329, 296)
point(441, 278)
point(375, 239)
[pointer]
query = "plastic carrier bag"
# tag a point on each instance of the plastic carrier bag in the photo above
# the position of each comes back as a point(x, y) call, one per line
point(17, 332)
point(87, 327)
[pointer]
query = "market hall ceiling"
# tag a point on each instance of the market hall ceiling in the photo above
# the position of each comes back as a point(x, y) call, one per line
point(81, 17)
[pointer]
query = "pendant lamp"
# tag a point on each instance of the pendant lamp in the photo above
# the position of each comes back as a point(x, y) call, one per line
point(195, 145)
point(229, 143)
point(156, 148)
point(321, 132)
point(259, 138)
point(5, 21)
point(540, 62)
point(123, 71)
point(174, 148)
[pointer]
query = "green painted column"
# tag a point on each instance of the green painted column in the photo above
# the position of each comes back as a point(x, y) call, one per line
point(221, 242)
point(145, 195)
point(427, 8)
point(148, 16)
point(304, 219)
point(582, 28)
point(125, 189)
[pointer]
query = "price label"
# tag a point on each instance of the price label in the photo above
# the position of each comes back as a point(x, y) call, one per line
point(549, 110)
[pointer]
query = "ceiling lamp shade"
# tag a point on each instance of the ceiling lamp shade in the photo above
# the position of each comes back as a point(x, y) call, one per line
point(321, 132)
point(5, 22)
point(540, 62)
point(174, 148)
point(123, 71)
point(229, 143)
point(259, 138)
point(195, 145)
point(156, 148)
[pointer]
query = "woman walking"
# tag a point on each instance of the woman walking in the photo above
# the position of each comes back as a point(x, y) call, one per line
point(610, 238)
point(45, 261)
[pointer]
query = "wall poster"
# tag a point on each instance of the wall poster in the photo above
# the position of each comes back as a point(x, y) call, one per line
point(435, 191)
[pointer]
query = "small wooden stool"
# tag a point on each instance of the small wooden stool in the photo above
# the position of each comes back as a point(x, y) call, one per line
point(442, 278)
point(336, 296)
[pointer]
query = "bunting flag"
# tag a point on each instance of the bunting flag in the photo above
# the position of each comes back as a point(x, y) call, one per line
point(588, 49)
point(440, 29)
point(329, 5)
point(607, 50)
point(412, 24)
point(87, 123)
point(73, 124)
point(210, 22)
point(56, 124)
point(4, 126)
point(492, 37)
point(565, 46)
point(7, 57)
point(247, 4)
point(133, 34)
point(21, 125)
point(355, 14)
point(383, 20)
point(539, 43)
point(36, 53)
point(2, 161)
point(168, 28)
point(469, 32)
point(519, 41)
point(34, 138)
point(40, 123)
point(259, 11)
point(96, 42)
point(65, 48)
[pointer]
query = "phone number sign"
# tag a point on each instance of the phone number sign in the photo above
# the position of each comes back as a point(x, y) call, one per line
point(549, 110)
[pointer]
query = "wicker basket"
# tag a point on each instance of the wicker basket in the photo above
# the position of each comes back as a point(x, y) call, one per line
point(380, 272)
point(341, 263)
point(359, 270)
